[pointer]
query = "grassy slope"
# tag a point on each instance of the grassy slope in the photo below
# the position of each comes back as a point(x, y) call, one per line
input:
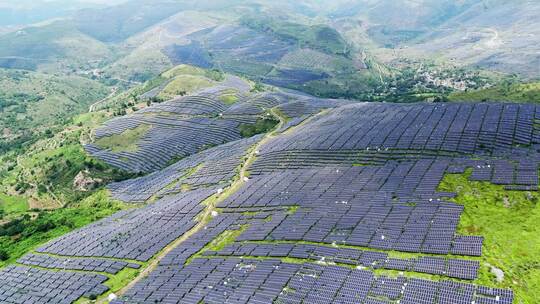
point(173, 79)
point(31, 103)
point(11, 204)
point(184, 84)
point(508, 220)
point(184, 69)
point(140, 65)
point(51, 224)
point(54, 162)
point(262, 125)
point(124, 142)
point(517, 92)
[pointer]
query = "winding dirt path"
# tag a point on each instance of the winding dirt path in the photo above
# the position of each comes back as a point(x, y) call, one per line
point(495, 41)
point(97, 103)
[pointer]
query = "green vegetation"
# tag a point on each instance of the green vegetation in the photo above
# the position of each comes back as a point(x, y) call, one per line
point(225, 239)
point(184, 69)
point(184, 84)
point(21, 235)
point(279, 114)
point(12, 205)
point(137, 66)
point(292, 210)
point(221, 241)
point(391, 38)
point(43, 201)
point(124, 142)
point(121, 279)
point(508, 221)
point(320, 37)
point(365, 86)
point(129, 98)
point(257, 87)
point(148, 85)
point(115, 283)
point(508, 91)
point(35, 105)
point(229, 99)
point(46, 171)
point(263, 125)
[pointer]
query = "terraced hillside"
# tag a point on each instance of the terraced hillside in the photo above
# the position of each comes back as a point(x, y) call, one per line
point(151, 138)
point(340, 203)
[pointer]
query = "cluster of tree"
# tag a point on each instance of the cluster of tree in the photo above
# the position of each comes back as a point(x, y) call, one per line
point(4, 255)
point(262, 125)
point(26, 226)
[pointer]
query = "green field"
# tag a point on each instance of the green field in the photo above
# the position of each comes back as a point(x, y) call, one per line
point(508, 221)
point(508, 92)
point(184, 84)
point(124, 142)
point(10, 204)
point(229, 99)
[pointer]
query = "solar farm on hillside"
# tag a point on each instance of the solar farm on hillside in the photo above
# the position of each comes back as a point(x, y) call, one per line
point(339, 203)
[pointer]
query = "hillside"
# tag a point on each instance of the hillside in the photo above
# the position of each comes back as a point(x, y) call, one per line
point(51, 186)
point(117, 23)
point(510, 92)
point(32, 103)
point(26, 12)
point(253, 151)
point(323, 191)
point(54, 47)
point(494, 35)
point(319, 49)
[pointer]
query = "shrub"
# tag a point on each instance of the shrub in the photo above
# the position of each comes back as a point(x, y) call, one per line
point(4, 255)
point(262, 125)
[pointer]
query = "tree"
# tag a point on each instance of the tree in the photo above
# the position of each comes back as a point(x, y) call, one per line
point(4, 255)
point(42, 189)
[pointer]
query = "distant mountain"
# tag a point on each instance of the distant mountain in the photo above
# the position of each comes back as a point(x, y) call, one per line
point(117, 23)
point(345, 41)
point(496, 35)
point(26, 12)
point(53, 47)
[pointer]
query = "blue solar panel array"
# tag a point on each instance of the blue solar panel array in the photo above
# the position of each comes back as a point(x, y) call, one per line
point(21, 284)
point(342, 207)
point(186, 125)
